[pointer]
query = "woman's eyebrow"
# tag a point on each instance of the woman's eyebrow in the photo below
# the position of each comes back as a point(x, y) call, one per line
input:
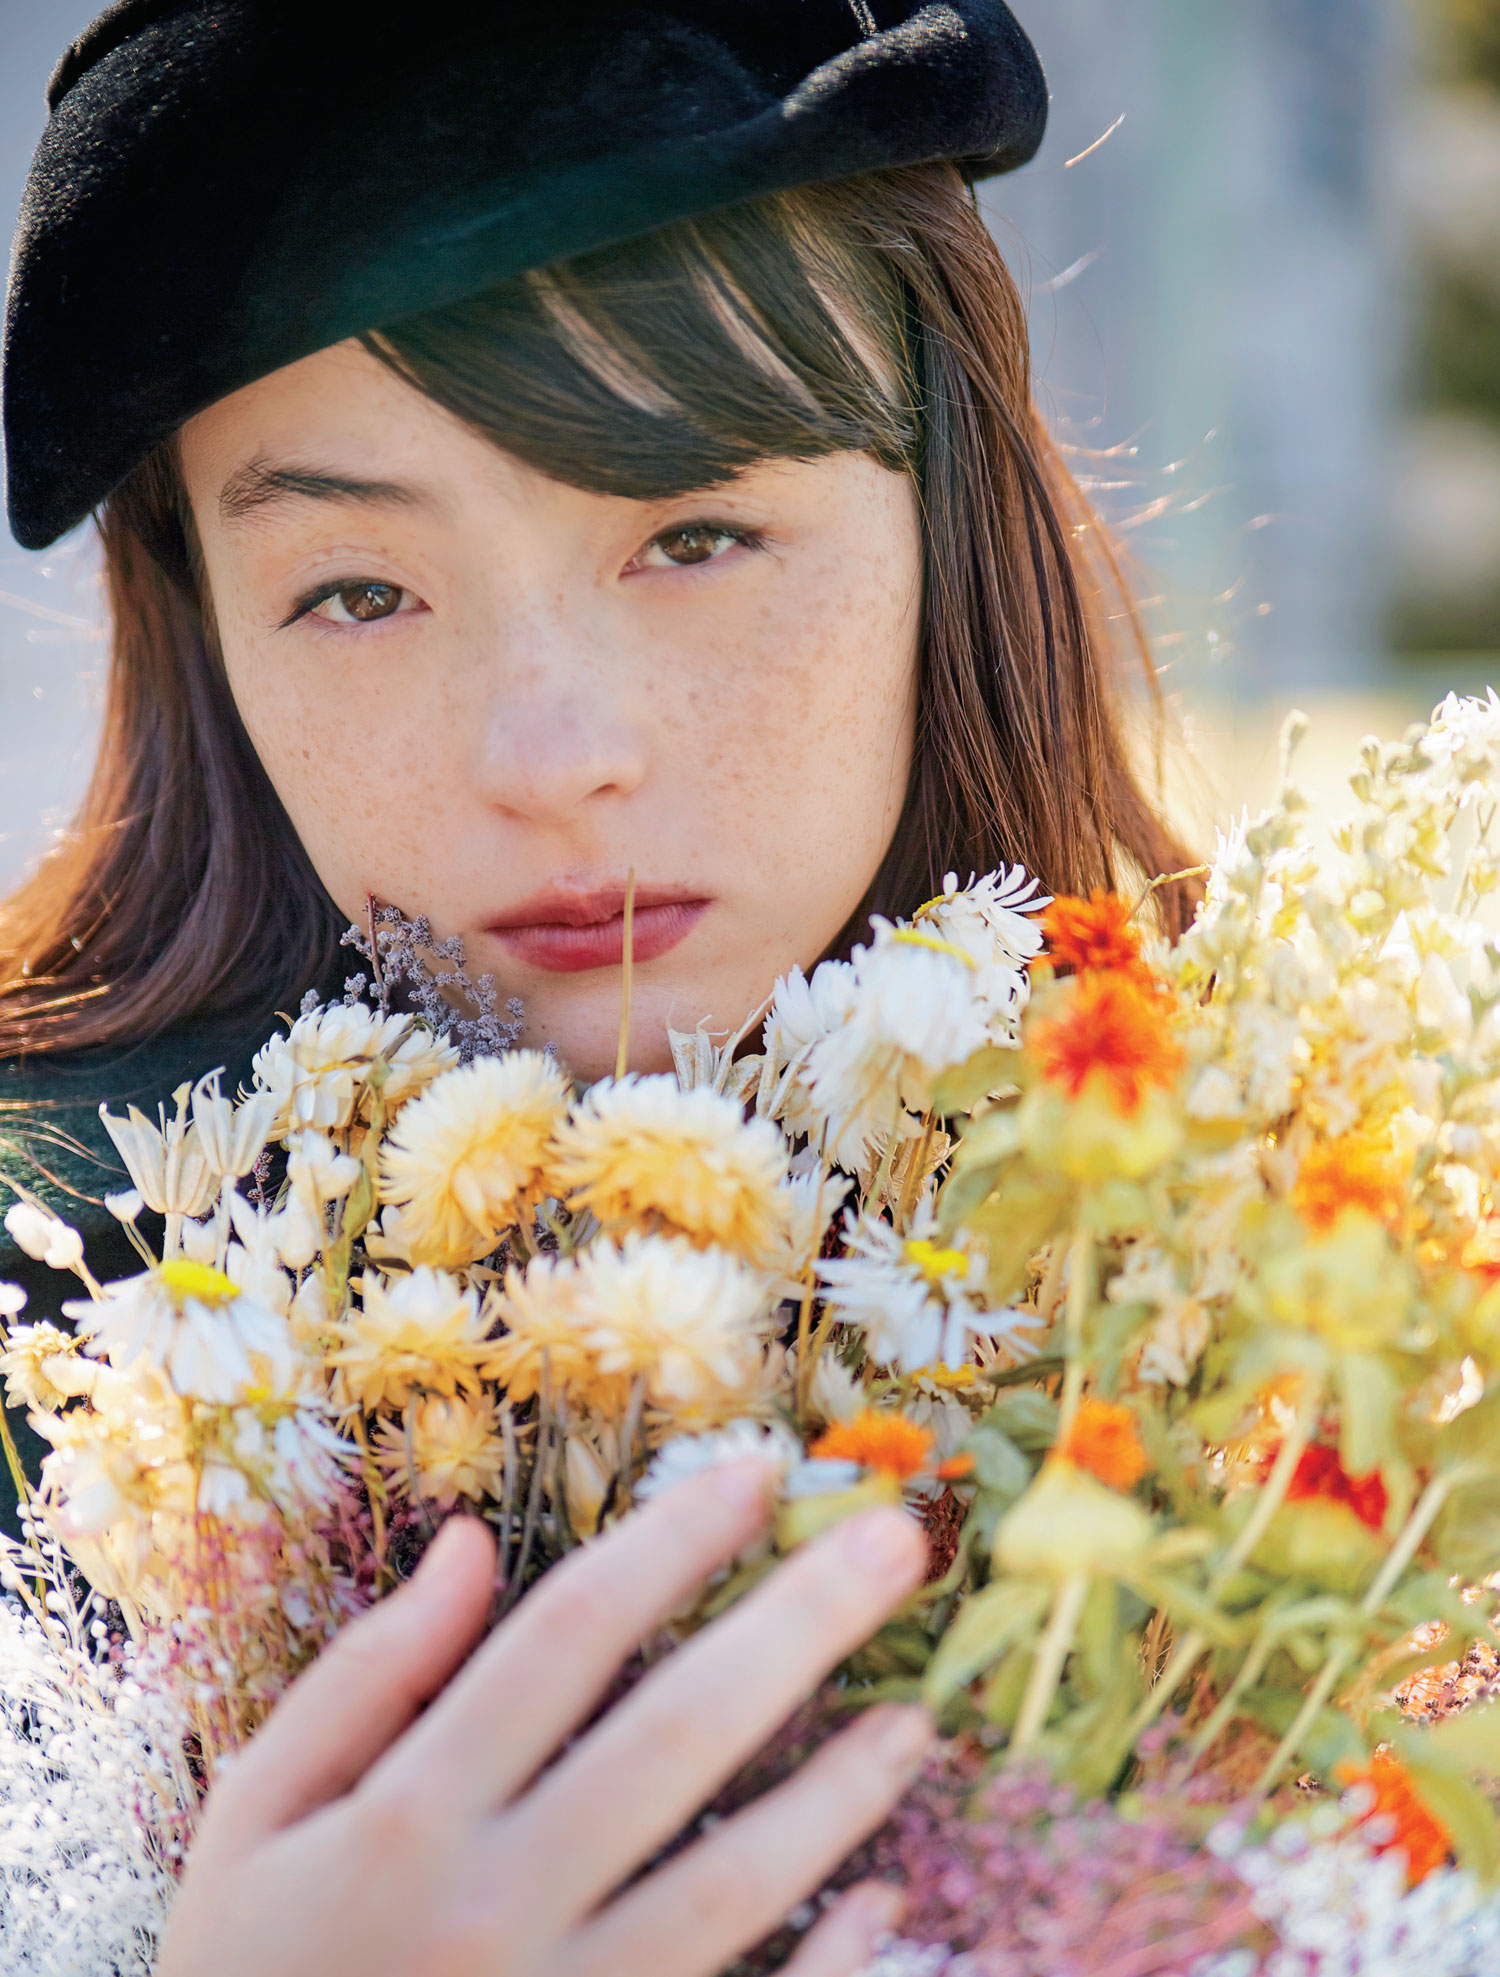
point(261, 484)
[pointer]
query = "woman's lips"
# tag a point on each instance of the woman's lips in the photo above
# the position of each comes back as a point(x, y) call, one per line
point(568, 946)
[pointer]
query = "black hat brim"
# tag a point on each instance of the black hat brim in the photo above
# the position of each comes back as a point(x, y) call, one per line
point(224, 188)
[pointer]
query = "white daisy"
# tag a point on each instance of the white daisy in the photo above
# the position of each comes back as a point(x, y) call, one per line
point(166, 1162)
point(990, 917)
point(192, 1323)
point(692, 1455)
point(918, 1299)
point(232, 1137)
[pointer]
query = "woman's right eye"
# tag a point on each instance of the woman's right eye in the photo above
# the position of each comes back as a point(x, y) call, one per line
point(361, 603)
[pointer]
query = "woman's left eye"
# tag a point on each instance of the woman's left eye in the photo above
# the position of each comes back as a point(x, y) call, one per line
point(361, 603)
point(700, 542)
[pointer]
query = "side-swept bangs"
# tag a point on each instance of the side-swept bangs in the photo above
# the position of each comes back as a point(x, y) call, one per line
point(674, 362)
point(874, 315)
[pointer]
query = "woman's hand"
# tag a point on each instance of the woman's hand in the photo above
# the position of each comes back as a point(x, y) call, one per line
point(364, 1833)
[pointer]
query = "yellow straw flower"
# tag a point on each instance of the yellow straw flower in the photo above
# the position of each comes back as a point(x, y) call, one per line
point(545, 1340)
point(464, 1158)
point(688, 1321)
point(643, 1154)
point(444, 1447)
point(421, 1332)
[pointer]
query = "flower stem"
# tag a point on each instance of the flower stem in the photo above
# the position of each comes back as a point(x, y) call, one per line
point(808, 1351)
point(13, 1459)
point(913, 1182)
point(1046, 1670)
point(627, 972)
point(1273, 1490)
point(1401, 1554)
point(1080, 1270)
point(1051, 1284)
point(1312, 1702)
point(1189, 1650)
point(887, 1159)
point(374, 1484)
point(1249, 1672)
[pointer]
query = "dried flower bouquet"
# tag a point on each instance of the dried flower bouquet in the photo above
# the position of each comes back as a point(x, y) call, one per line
point(1162, 1282)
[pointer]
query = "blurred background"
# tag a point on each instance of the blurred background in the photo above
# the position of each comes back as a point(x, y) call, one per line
point(1262, 247)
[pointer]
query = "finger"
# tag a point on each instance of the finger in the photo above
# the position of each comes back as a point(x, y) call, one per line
point(362, 1691)
point(848, 1936)
point(546, 1668)
point(729, 1890)
point(635, 1780)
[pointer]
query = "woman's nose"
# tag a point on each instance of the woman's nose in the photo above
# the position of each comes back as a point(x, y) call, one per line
point(544, 755)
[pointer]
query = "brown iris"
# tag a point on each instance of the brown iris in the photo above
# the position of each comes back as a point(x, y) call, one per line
point(366, 601)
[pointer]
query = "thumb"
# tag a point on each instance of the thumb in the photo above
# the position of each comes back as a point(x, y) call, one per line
point(361, 1693)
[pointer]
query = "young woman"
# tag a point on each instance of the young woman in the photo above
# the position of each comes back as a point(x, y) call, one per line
point(527, 456)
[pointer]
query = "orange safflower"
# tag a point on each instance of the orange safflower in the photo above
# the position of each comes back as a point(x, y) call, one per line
point(1092, 934)
point(1481, 1253)
point(1105, 1440)
point(887, 1443)
point(1320, 1473)
point(1419, 1833)
point(1354, 1171)
point(1112, 1029)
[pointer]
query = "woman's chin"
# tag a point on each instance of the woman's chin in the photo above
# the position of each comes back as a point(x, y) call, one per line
point(589, 1049)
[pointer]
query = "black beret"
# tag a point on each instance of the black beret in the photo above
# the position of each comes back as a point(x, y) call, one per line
point(227, 185)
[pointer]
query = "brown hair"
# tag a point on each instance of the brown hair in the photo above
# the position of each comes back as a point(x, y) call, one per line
point(874, 314)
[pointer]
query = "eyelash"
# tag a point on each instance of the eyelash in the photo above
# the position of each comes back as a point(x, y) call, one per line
point(307, 605)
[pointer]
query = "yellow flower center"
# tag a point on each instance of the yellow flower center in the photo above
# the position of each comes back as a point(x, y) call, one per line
point(909, 937)
point(199, 1281)
point(939, 1375)
point(935, 1263)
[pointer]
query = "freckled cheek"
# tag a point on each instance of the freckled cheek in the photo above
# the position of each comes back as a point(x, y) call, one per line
point(366, 769)
point(821, 677)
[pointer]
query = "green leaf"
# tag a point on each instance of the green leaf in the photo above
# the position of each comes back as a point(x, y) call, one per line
point(1179, 1547)
point(902, 1646)
point(1093, 1742)
point(1473, 1435)
point(1329, 1740)
point(986, 1625)
point(1027, 1415)
point(1001, 1697)
point(1099, 1642)
point(1186, 1604)
point(999, 1465)
point(1468, 1743)
point(1367, 1422)
point(1014, 1222)
point(808, 1517)
point(1467, 1814)
point(1466, 1537)
point(1112, 1330)
point(986, 1072)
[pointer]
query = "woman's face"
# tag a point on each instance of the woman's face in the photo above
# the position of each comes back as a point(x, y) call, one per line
point(488, 697)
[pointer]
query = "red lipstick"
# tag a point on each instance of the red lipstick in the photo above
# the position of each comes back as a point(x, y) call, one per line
point(566, 931)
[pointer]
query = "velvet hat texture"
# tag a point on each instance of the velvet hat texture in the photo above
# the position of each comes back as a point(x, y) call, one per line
point(227, 185)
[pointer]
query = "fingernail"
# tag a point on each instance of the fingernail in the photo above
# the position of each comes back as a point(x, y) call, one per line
point(875, 1909)
point(431, 1563)
point(881, 1540)
point(743, 1485)
point(902, 1735)
point(448, 1545)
